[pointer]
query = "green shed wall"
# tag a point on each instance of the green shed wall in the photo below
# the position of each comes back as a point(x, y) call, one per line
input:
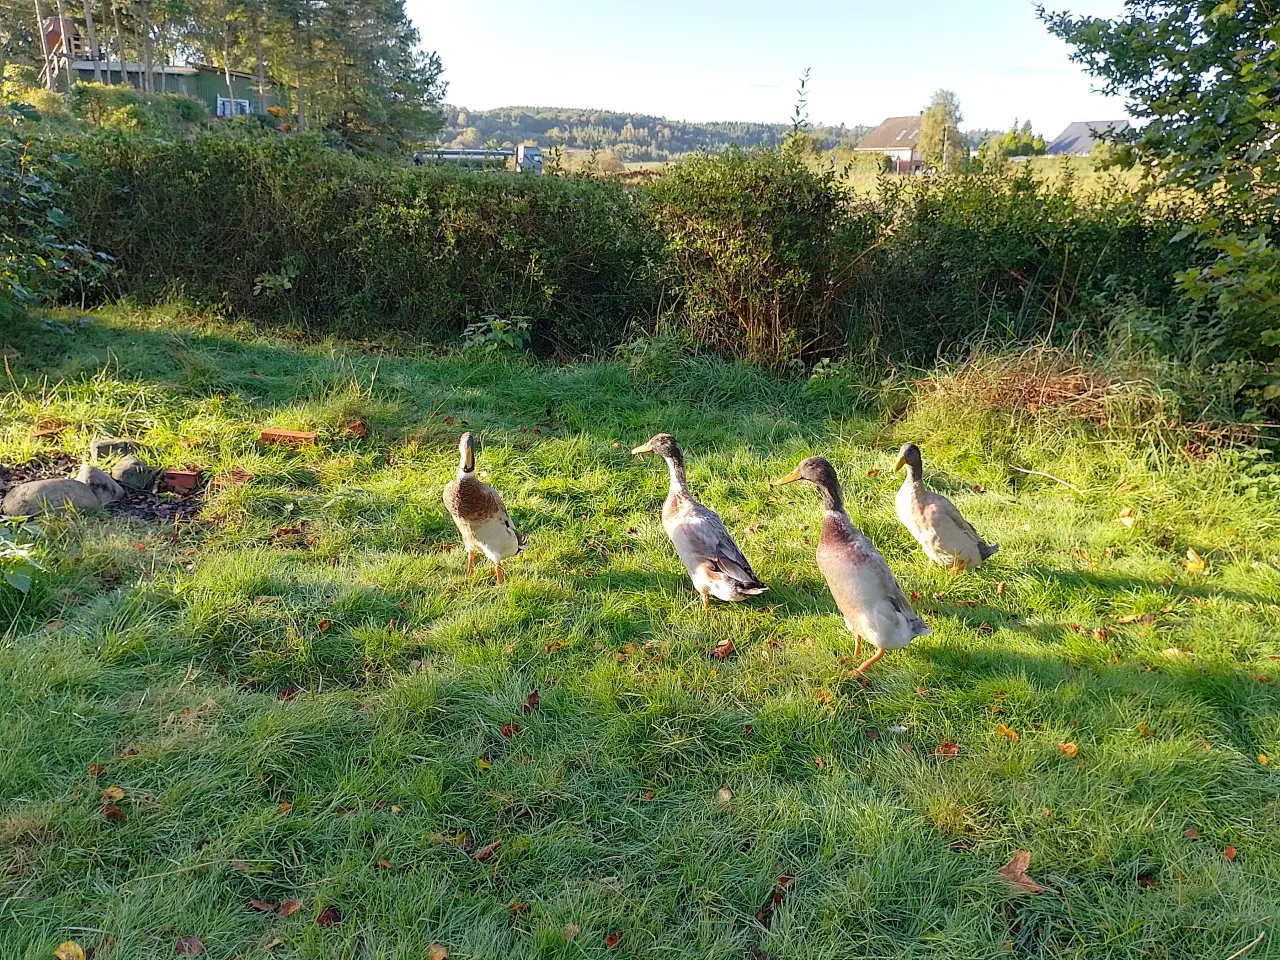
point(206, 86)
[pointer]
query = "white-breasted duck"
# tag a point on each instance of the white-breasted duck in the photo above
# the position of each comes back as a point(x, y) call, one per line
point(948, 539)
point(479, 513)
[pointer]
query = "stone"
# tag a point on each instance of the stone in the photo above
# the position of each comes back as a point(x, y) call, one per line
point(110, 447)
point(105, 488)
point(132, 473)
point(35, 497)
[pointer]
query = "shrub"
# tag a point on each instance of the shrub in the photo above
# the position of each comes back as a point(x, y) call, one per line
point(763, 249)
point(122, 107)
point(286, 230)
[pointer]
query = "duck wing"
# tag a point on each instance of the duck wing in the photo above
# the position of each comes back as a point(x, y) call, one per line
point(947, 521)
point(698, 532)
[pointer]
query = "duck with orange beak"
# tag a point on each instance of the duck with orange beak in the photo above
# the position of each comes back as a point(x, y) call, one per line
point(863, 586)
point(479, 513)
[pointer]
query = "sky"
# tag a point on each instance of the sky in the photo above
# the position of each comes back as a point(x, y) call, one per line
point(704, 60)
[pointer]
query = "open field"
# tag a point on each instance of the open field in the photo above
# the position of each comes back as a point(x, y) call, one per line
point(303, 698)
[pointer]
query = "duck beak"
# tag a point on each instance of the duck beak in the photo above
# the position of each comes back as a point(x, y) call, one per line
point(469, 457)
point(899, 463)
point(643, 448)
point(791, 477)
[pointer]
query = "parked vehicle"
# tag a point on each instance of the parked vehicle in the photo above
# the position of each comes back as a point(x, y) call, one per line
point(528, 159)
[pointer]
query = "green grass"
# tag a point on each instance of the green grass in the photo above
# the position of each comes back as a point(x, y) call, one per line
point(176, 643)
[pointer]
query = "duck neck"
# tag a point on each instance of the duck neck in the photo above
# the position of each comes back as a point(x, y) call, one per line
point(832, 497)
point(915, 475)
point(675, 466)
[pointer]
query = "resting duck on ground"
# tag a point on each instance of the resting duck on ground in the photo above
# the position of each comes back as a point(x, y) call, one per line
point(714, 562)
point(862, 584)
point(479, 513)
point(948, 538)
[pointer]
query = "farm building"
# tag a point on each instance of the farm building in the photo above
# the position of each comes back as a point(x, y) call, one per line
point(896, 138)
point(1079, 139)
point(198, 81)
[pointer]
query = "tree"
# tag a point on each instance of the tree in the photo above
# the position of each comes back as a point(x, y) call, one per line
point(1204, 75)
point(941, 145)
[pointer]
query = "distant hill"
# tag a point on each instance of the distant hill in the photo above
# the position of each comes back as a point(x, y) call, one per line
point(630, 136)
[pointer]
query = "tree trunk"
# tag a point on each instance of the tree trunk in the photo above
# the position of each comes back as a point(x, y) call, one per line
point(148, 79)
point(93, 40)
point(44, 47)
point(62, 42)
point(120, 55)
point(262, 71)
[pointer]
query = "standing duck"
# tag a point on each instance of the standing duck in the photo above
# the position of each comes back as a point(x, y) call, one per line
point(862, 584)
point(714, 562)
point(479, 513)
point(948, 539)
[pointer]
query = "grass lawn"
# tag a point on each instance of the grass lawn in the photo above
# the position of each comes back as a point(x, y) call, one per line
point(303, 698)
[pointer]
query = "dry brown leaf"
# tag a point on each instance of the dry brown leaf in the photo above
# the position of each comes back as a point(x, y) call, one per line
point(285, 807)
point(69, 951)
point(722, 649)
point(239, 865)
point(509, 729)
point(190, 946)
point(823, 696)
point(1015, 871)
point(261, 906)
point(724, 794)
point(611, 941)
point(820, 763)
point(329, 916)
point(947, 749)
point(288, 908)
point(1127, 519)
point(1068, 749)
point(96, 769)
point(531, 704)
point(1147, 881)
point(485, 852)
point(113, 794)
point(385, 865)
point(127, 752)
point(1000, 588)
point(272, 943)
point(873, 472)
point(1007, 732)
point(571, 930)
point(1191, 833)
point(113, 813)
point(765, 914)
point(437, 951)
point(1230, 852)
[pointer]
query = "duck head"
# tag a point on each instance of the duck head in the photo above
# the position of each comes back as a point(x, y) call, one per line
point(466, 453)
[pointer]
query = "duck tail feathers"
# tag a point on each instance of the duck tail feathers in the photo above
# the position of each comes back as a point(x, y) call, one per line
point(920, 629)
point(989, 550)
point(752, 589)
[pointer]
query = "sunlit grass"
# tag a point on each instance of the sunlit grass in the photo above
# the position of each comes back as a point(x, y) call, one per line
point(348, 667)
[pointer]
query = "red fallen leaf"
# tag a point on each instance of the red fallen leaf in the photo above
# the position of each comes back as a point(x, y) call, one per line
point(765, 914)
point(449, 419)
point(1230, 852)
point(1191, 833)
point(329, 916)
point(531, 704)
point(873, 472)
point(96, 769)
point(820, 763)
point(509, 729)
point(379, 804)
point(611, 941)
point(285, 807)
point(554, 646)
point(140, 547)
point(384, 865)
point(325, 624)
point(357, 428)
point(190, 946)
point(127, 752)
point(515, 909)
point(486, 852)
point(288, 908)
point(261, 906)
point(723, 649)
point(979, 488)
point(947, 749)
point(1015, 871)
point(1147, 881)
point(914, 596)
point(113, 813)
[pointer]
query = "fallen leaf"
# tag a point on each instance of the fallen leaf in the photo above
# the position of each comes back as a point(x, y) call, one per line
point(1147, 881)
point(820, 763)
point(1068, 749)
point(872, 734)
point(1146, 731)
point(947, 749)
point(272, 943)
point(113, 813)
point(1000, 588)
point(96, 769)
point(127, 752)
point(396, 809)
point(329, 916)
point(517, 907)
point(113, 793)
point(1195, 564)
point(1015, 871)
point(357, 428)
point(571, 930)
point(823, 696)
point(325, 624)
point(724, 794)
point(611, 941)
point(288, 908)
point(69, 951)
point(437, 951)
point(754, 528)
point(765, 914)
point(531, 704)
point(1264, 759)
point(261, 906)
point(1127, 518)
point(1007, 732)
point(384, 865)
point(1229, 852)
point(239, 865)
point(190, 946)
point(979, 488)
point(484, 853)
point(722, 649)
point(285, 807)
point(509, 729)
point(1191, 833)
point(873, 472)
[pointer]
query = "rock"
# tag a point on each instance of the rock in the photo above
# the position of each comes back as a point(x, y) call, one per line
point(106, 489)
point(111, 446)
point(49, 496)
point(133, 473)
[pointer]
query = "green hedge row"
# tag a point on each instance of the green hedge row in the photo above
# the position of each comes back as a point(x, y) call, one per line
point(757, 254)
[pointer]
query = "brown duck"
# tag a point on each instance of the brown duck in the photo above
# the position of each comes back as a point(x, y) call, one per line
point(862, 584)
point(479, 513)
point(947, 538)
